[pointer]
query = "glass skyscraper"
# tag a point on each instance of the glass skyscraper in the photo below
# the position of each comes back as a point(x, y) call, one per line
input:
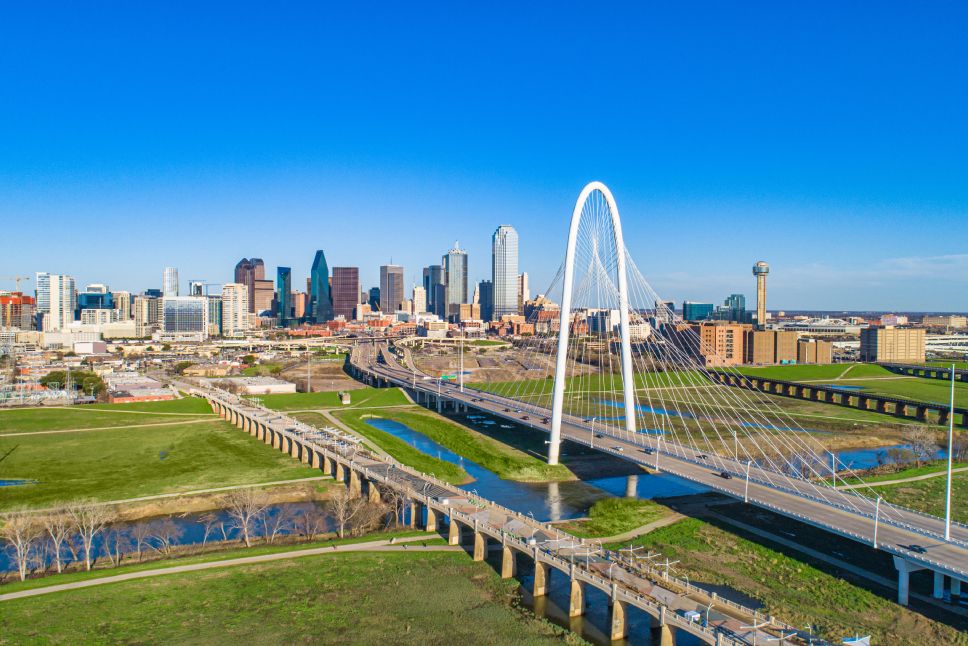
point(504, 272)
point(434, 284)
point(169, 285)
point(322, 302)
point(346, 291)
point(391, 288)
point(284, 295)
point(455, 279)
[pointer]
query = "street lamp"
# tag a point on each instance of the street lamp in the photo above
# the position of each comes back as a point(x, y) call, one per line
point(746, 487)
point(877, 514)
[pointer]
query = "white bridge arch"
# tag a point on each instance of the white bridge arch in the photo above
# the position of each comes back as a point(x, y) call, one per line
point(564, 328)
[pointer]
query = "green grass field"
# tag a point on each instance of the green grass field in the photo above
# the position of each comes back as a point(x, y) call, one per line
point(360, 398)
point(959, 365)
point(809, 372)
point(792, 589)
point(927, 495)
point(613, 516)
point(365, 598)
point(26, 420)
point(121, 463)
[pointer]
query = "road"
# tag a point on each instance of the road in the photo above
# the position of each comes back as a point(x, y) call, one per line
point(900, 532)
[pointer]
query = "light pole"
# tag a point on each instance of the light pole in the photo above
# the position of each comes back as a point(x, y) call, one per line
point(460, 370)
point(746, 487)
point(951, 450)
point(877, 515)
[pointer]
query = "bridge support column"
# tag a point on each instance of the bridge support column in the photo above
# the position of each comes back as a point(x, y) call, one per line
point(340, 473)
point(631, 486)
point(480, 545)
point(541, 573)
point(904, 569)
point(372, 493)
point(663, 630)
point(576, 602)
point(314, 459)
point(509, 563)
point(619, 623)
point(326, 465)
point(955, 587)
point(938, 591)
point(355, 485)
point(453, 533)
point(430, 524)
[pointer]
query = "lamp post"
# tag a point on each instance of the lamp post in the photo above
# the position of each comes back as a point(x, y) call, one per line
point(951, 450)
point(746, 487)
point(877, 515)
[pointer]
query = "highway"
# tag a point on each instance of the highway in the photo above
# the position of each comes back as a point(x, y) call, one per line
point(906, 534)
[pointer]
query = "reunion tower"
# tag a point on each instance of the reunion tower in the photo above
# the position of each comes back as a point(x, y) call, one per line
point(760, 270)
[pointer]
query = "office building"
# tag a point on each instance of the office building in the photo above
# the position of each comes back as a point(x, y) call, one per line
point(948, 321)
point(17, 311)
point(300, 305)
point(435, 284)
point(769, 347)
point(320, 298)
point(504, 273)
point(284, 295)
point(665, 312)
point(93, 301)
point(214, 315)
point(692, 311)
point(147, 313)
point(169, 282)
point(760, 270)
point(722, 343)
point(184, 318)
point(454, 264)
point(814, 351)
point(97, 288)
point(248, 272)
point(465, 312)
point(373, 300)
point(122, 306)
point(524, 291)
point(419, 300)
point(62, 303)
point(95, 316)
point(42, 292)
point(485, 298)
point(734, 308)
point(265, 294)
point(885, 344)
point(346, 291)
point(391, 288)
point(235, 309)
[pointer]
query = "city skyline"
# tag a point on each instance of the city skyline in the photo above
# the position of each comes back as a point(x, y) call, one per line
point(752, 129)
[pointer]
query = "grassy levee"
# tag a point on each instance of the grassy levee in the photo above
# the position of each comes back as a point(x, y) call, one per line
point(502, 459)
point(933, 467)
point(359, 397)
point(794, 589)
point(927, 495)
point(103, 568)
point(613, 516)
point(810, 372)
point(27, 420)
point(119, 464)
point(350, 598)
point(400, 450)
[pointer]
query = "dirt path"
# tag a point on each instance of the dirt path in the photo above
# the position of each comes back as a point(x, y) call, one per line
point(204, 420)
point(644, 529)
point(372, 546)
point(880, 483)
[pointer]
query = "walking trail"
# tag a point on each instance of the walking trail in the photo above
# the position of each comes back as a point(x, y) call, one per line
point(881, 483)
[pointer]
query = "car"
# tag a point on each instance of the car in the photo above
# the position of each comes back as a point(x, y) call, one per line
point(518, 410)
point(618, 448)
point(599, 435)
point(525, 417)
point(589, 420)
point(701, 456)
point(647, 451)
point(917, 549)
point(545, 420)
point(725, 475)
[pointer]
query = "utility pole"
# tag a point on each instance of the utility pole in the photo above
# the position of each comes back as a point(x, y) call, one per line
point(951, 450)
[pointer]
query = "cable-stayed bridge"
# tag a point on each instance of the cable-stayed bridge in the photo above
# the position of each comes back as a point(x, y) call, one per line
point(615, 370)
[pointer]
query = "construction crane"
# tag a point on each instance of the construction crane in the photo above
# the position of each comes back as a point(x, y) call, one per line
point(17, 279)
point(201, 283)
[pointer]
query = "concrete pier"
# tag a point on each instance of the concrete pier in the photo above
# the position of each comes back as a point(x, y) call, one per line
point(541, 573)
point(576, 603)
point(509, 563)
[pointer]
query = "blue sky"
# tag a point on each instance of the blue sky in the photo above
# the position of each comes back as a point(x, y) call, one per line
point(825, 138)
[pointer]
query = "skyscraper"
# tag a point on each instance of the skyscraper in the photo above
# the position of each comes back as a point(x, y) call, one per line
point(235, 309)
point(122, 305)
point(504, 272)
point(524, 292)
point(419, 299)
point(454, 264)
point(346, 291)
point(760, 270)
point(322, 303)
point(169, 283)
point(434, 284)
point(247, 272)
point(391, 288)
point(147, 313)
point(374, 298)
point(42, 292)
point(284, 295)
point(485, 290)
point(63, 302)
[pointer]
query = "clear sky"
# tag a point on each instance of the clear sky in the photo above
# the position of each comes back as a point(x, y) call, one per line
point(830, 139)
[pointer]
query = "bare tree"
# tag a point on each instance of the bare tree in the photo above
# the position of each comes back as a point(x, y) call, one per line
point(312, 522)
point(922, 441)
point(245, 507)
point(141, 536)
point(166, 532)
point(281, 521)
point(90, 520)
point(116, 544)
point(59, 528)
point(344, 509)
point(369, 517)
point(209, 523)
point(21, 531)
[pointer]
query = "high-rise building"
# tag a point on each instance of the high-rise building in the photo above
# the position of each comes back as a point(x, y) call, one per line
point(486, 296)
point(235, 309)
point(214, 315)
point(760, 270)
point(169, 282)
point(42, 292)
point(63, 302)
point(391, 288)
point(419, 299)
point(122, 306)
point(722, 343)
point(147, 313)
point(892, 344)
point(247, 272)
point(185, 317)
point(692, 311)
point(374, 299)
point(265, 294)
point(17, 310)
point(322, 303)
point(346, 291)
point(196, 288)
point(300, 305)
point(97, 288)
point(284, 295)
point(504, 272)
point(454, 263)
point(435, 283)
point(524, 292)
